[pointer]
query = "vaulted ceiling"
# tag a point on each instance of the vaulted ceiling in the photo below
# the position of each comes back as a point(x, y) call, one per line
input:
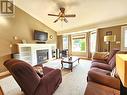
point(88, 12)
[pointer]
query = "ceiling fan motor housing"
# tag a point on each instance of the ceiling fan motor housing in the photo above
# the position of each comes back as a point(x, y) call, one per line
point(61, 16)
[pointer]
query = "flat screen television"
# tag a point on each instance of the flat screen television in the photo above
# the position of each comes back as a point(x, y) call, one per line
point(40, 36)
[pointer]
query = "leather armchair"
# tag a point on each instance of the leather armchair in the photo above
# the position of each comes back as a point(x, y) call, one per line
point(103, 77)
point(1, 92)
point(30, 82)
point(99, 89)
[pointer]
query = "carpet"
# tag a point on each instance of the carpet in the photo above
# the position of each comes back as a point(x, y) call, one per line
point(73, 83)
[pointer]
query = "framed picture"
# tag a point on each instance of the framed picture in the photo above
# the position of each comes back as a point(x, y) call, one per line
point(109, 33)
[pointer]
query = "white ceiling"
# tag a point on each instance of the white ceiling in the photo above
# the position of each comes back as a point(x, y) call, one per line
point(87, 12)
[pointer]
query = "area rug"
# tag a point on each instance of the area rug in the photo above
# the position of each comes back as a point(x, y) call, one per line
point(73, 83)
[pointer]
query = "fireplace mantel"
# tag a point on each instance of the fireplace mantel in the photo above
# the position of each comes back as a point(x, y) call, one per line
point(28, 52)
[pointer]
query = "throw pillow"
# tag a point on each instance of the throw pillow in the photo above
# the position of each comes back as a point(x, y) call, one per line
point(101, 55)
point(39, 70)
point(114, 73)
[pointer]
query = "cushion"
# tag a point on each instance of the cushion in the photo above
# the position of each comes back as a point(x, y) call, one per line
point(101, 55)
point(39, 70)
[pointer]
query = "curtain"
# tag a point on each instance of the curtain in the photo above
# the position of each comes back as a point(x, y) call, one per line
point(69, 45)
point(98, 42)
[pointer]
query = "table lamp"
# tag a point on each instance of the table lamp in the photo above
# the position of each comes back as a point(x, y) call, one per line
point(121, 66)
point(109, 39)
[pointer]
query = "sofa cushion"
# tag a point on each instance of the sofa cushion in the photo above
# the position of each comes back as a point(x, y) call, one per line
point(98, 89)
point(101, 65)
point(100, 61)
point(101, 55)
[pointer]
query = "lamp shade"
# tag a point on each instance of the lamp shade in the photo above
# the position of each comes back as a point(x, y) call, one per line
point(121, 66)
point(111, 38)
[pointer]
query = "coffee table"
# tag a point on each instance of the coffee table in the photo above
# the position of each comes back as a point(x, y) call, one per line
point(69, 61)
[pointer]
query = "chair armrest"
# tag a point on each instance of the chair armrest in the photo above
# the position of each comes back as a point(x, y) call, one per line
point(47, 70)
point(49, 82)
point(104, 79)
point(1, 91)
point(100, 55)
point(52, 75)
point(102, 66)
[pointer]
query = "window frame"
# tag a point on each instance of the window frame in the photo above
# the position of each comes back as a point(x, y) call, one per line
point(79, 36)
point(123, 29)
point(67, 42)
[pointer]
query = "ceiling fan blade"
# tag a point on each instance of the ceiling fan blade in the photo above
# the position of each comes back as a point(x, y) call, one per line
point(56, 20)
point(52, 15)
point(71, 15)
point(65, 20)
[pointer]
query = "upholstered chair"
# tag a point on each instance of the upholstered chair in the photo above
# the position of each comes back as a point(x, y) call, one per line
point(30, 82)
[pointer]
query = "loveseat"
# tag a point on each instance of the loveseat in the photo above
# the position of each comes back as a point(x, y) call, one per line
point(104, 61)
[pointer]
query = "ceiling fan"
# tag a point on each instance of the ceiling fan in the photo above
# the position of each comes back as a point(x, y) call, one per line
point(62, 16)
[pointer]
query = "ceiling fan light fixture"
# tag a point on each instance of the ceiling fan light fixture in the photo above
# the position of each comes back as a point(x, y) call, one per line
point(62, 16)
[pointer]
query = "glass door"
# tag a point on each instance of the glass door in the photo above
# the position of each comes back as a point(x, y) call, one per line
point(93, 37)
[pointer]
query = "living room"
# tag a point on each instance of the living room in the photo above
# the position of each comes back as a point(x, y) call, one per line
point(78, 39)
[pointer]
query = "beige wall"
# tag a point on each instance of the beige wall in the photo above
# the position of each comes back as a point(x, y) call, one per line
point(21, 26)
point(116, 30)
point(60, 42)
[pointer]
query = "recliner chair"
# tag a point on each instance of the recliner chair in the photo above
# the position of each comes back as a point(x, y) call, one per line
point(30, 82)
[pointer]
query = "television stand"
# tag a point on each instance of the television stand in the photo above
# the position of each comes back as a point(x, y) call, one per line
point(41, 42)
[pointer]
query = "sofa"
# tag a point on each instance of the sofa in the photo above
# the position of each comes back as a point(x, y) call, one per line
point(105, 61)
point(30, 82)
point(102, 76)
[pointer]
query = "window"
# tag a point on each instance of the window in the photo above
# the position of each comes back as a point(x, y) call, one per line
point(79, 43)
point(65, 42)
point(124, 38)
point(93, 41)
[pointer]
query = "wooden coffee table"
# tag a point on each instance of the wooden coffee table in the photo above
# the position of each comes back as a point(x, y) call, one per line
point(70, 61)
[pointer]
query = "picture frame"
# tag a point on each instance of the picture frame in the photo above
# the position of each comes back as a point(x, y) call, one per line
point(24, 41)
point(109, 33)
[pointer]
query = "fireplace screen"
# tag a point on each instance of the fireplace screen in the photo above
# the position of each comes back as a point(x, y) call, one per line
point(42, 56)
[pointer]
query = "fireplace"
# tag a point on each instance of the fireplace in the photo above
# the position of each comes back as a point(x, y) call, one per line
point(42, 56)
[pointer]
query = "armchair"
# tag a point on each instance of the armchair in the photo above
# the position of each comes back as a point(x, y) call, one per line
point(30, 82)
